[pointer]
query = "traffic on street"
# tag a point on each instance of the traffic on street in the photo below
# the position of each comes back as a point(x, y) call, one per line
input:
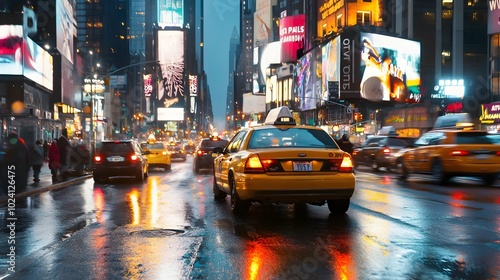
point(170, 227)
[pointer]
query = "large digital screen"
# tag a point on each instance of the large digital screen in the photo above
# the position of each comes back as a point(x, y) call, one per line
point(38, 64)
point(170, 114)
point(11, 49)
point(170, 53)
point(65, 25)
point(390, 68)
point(331, 65)
point(292, 32)
point(493, 17)
point(170, 13)
point(308, 80)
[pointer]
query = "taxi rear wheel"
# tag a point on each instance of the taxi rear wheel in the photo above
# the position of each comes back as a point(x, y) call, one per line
point(218, 194)
point(438, 173)
point(401, 170)
point(238, 206)
point(338, 206)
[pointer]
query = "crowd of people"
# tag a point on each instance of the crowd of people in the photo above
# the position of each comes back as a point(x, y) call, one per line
point(60, 156)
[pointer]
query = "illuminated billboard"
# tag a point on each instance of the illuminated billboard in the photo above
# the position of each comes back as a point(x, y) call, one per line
point(11, 49)
point(308, 80)
point(390, 67)
point(148, 84)
point(262, 22)
point(493, 17)
point(292, 32)
point(170, 53)
point(170, 114)
point(331, 66)
point(170, 13)
point(379, 68)
point(65, 25)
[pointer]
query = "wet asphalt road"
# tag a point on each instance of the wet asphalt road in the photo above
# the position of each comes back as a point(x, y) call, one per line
point(171, 228)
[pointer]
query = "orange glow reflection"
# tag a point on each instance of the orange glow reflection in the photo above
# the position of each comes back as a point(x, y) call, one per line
point(457, 203)
point(260, 259)
point(134, 206)
point(153, 200)
point(98, 204)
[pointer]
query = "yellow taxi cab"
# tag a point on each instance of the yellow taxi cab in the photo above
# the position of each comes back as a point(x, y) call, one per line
point(454, 149)
point(281, 162)
point(157, 154)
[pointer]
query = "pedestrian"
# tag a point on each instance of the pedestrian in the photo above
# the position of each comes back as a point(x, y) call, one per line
point(53, 158)
point(345, 145)
point(65, 150)
point(37, 160)
point(46, 150)
point(15, 164)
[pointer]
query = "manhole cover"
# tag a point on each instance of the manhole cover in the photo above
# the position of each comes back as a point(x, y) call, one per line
point(157, 232)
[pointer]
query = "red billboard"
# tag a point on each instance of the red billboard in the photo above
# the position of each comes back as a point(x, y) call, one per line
point(292, 32)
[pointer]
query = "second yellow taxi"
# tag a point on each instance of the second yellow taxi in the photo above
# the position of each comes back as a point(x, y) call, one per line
point(157, 154)
point(281, 162)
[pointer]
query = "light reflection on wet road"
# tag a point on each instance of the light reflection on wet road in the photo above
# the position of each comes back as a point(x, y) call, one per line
point(171, 228)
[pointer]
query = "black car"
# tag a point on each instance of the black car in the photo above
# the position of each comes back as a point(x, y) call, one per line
point(119, 158)
point(177, 151)
point(379, 151)
point(203, 155)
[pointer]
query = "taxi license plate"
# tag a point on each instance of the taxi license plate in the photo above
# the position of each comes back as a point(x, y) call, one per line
point(302, 166)
point(482, 156)
point(115, 159)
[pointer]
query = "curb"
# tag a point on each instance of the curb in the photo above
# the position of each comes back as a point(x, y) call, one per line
point(4, 200)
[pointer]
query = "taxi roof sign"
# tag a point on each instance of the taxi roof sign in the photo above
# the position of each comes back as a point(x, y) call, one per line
point(462, 121)
point(279, 115)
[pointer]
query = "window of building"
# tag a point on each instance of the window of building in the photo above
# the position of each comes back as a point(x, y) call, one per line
point(363, 17)
point(282, 4)
point(339, 21)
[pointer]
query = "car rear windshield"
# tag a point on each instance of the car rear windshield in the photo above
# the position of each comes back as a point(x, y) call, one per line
point(474, 138)
point(213, 143)
point(291, 137)
point(117, 147)
point(152, 145)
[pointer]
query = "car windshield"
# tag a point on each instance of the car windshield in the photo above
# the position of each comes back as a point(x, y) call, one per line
point(291, 137)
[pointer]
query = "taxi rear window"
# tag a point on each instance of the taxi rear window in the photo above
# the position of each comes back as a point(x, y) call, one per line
point(474, 138)
point(152, 146)
point(291, 137)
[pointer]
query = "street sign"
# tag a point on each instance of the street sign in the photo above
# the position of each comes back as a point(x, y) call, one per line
point(333, 90)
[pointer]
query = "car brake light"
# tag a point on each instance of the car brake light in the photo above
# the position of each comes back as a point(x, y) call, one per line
point(498, 153)
point(459, 153)
point(134, 157)
point(386, 150)
point(200, 153)
point(97, 158)
point(346, 165)
point(254, 165)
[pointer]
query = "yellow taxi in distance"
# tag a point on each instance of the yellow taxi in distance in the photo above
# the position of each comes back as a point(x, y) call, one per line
point(448, 152)
point(281, 162)
point(157, 154)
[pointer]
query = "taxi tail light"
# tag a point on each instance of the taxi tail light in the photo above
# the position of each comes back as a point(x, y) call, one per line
point(254, 165)
point(459, 153)
point(346, 165)
point(164, 153)
point(498, 153)
point(386, 151)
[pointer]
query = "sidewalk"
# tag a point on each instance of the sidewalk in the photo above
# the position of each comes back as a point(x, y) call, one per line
point(44, 185)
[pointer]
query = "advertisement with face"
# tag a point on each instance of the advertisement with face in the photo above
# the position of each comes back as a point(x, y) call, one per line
point(307, 78)
point(171, 57)
point(11, 49)
point(38, 64)
point(390, 68)
point(65, 24)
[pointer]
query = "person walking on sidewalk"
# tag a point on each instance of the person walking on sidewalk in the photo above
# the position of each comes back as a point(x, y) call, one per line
point(54, 163)
point(15, 165)
point(37, 160)
point(65, 150)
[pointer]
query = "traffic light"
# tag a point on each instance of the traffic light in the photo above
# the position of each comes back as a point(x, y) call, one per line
point(358, 116)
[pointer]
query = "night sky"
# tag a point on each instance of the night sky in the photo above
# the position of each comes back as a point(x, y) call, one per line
point(221, 16)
